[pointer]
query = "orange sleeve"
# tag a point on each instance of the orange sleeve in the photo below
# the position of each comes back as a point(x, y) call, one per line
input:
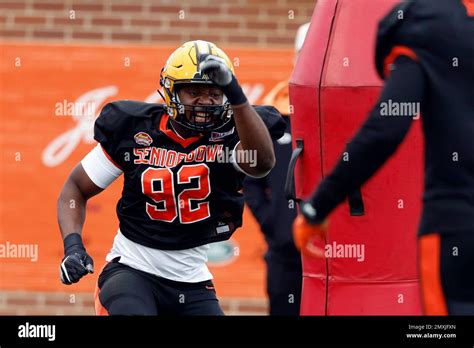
point(469, 7)
point(396, 52)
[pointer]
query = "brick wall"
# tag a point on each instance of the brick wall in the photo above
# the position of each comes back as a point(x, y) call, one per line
point(256, 23)
point(38, 303)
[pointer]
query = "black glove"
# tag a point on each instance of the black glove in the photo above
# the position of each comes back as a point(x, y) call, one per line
point(218, 71)
point(76, 262)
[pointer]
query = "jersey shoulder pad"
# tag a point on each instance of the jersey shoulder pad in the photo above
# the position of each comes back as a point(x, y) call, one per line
point(118, 118)
point(390, 32)
point(273, 120)
point(121, 109)
point(422, 28)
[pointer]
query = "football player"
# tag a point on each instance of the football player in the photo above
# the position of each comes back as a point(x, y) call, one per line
point(425, 53)
point(183, 165)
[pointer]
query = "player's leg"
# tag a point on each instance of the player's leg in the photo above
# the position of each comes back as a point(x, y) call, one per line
point(457, 263)
point(445, 263)
point(202, 300)
point(284, 282)
point(189, 298)
point(123, 290)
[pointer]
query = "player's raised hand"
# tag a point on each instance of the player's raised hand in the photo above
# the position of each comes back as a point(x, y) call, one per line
point(221, 74)
point(76, 262)
point(217, 70)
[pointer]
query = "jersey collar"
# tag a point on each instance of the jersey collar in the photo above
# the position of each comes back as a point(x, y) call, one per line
point(184, 142)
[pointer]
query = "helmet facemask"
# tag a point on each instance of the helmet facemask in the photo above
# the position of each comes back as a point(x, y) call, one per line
point(199, 118)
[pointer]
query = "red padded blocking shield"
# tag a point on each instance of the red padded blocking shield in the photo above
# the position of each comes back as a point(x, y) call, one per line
point(332, 90)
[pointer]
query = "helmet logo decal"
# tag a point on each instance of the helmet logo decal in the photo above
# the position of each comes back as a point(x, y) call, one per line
point(197, 75)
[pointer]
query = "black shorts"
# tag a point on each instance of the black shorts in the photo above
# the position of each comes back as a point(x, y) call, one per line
point(123, 290)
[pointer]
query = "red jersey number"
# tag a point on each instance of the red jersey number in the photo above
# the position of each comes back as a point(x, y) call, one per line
point(159, 185)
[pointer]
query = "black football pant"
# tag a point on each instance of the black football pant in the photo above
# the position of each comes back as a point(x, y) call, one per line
point(123, 290)
point(446, 266)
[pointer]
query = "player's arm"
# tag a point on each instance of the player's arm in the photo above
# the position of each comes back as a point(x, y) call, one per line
point(87, 179)
point(73, 199)
point(370, 148)
point(71, 216)
point(253, 134)
point(254, 137)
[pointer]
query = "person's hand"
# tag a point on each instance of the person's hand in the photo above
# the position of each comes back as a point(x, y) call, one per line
point(305, 232)
point(221, 74)
point(76, 262)
point(217, 70)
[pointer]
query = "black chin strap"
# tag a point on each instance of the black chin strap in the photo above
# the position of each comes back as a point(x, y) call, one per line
point(161, 94)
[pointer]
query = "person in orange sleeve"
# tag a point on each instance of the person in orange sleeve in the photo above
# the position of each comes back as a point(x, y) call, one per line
point(426, 58)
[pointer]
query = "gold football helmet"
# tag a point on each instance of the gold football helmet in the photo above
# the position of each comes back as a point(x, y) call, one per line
point(182, 68)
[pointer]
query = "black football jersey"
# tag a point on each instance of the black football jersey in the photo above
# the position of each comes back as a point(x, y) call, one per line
point(441, 36)
point(430, 47)
point(178, 193)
